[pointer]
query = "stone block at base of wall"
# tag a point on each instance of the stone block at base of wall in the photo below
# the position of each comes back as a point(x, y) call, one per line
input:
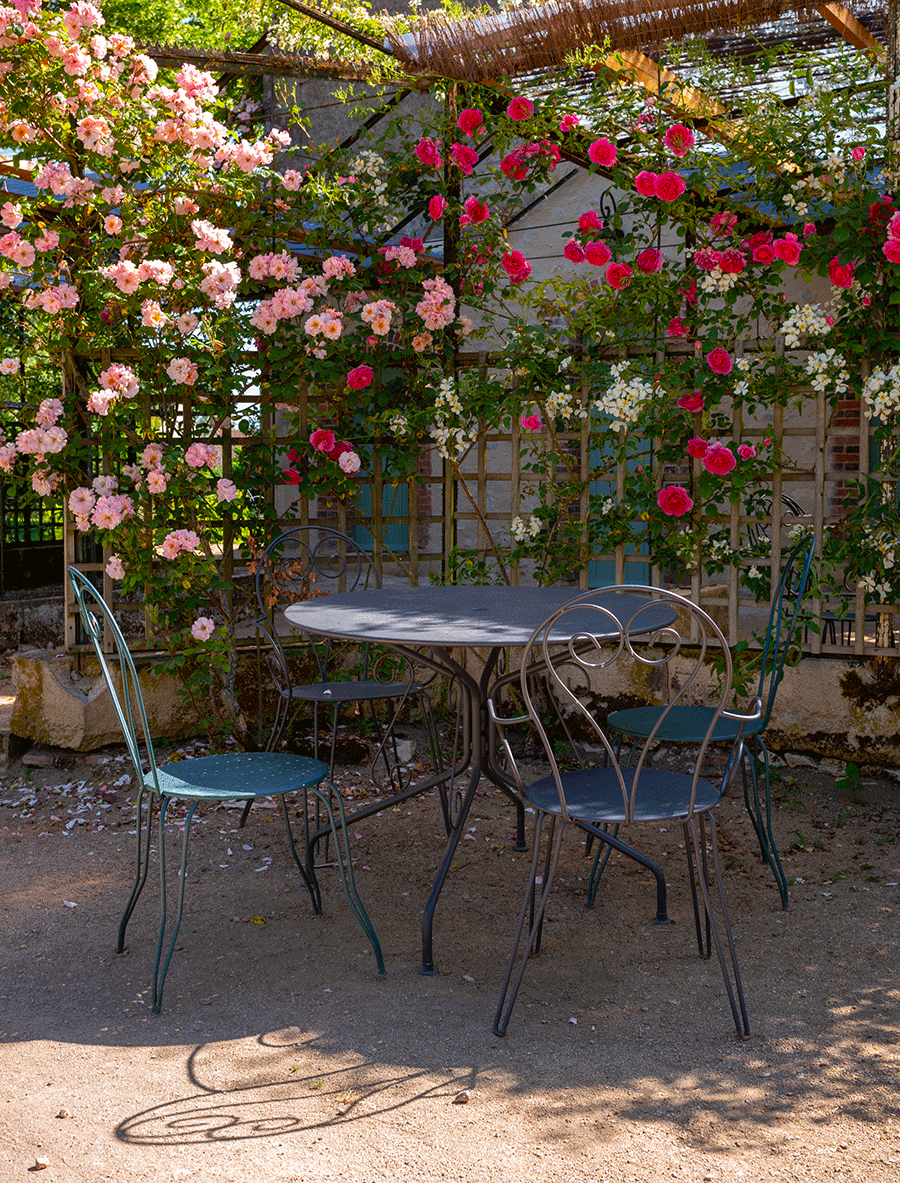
point(57, 705)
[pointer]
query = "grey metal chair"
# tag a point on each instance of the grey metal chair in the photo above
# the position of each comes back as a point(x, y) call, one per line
point(240, 776)
point(302, 563)
point(573, 674)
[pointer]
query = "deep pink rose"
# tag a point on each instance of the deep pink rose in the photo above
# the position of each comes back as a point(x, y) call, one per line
point(723, 224)
point(590, 220)
point(809, 228)
point(719, 361)
point(520, 108)
point(669, 186)
point(360, 378)
point(428, 151)
point(707, 258)
point(840, 274)
point(464, 157)
point(470, 120)
point(858, 153)
point(437, 207)
point(645, 183)
point(514, 167)
point(568, 122)
point(531, 422)
point(719, 460)
point(674, 501)
point(597, 253)
point(788, 249)
point(732, 261)
point(697, 447)
point(693, 402)
point(745, 451)
point(516, 266)
point(764, 253)
point(649, 261)
point(679, 139)
point(602, 152)
point(477, 210)
point(322, 439)
point(618, 276)
point(573, 252)
point(339, 449)
point(891, 250)
point(676, 328)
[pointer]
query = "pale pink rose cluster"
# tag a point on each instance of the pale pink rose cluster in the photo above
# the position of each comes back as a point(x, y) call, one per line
point(9, 365)
point(246, 156)
point(41, 441)
point(282, 266)
point(336, 266)
point(437, 306)
point(378, 315)
point(17, 249)
point(11, 214)
point(100, 506)
point(211, 238)
point(179, 542)
point(199, 454)
point(183, 371)
point(52, 300)
point(203, 628)
point(220, 282)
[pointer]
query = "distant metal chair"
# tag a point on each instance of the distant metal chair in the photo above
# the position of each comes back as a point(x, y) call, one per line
point(689, 724)
point(612, 794)
point(294, 566)
point(236, 776)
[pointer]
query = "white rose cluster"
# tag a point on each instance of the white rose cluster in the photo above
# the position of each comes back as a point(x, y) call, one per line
point(804, 320)
point(717, 281)
point(565, 404)
point(523, 529)
point(827, 372)
point(451, 439)
point(626, 397)
point(881, 392)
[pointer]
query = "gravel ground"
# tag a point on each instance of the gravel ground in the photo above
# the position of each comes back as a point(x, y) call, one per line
point(281, 1055)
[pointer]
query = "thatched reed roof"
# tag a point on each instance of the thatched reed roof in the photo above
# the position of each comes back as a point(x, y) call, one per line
point(528, 40)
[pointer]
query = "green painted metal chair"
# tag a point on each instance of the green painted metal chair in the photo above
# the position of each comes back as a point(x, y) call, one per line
point(688, 724)
point(236, 776)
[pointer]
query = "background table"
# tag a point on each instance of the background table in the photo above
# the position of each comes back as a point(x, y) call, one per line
point(425, 624)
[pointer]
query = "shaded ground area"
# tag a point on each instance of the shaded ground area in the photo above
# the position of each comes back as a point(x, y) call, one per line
point(280, 1055)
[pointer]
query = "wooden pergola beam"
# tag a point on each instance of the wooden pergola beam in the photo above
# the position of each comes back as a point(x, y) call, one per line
point(850, 29)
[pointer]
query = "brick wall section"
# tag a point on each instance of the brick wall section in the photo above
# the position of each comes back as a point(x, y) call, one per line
point(842, 454)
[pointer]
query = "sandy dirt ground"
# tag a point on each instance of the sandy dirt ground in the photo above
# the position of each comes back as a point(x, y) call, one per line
point(280, 1055)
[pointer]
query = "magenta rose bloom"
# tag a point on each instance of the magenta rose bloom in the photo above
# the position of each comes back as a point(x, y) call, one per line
point(679, 139)
point(597, 253)
point(477, 210)
point(339, 449)
point(732, 261)
point(676, 328)
point(745, 451)
point(719, 361)
point(428, 151)
point(723, 224)
point(697, 447)
point(788, 249)
point(840, 274)
point(719, 460)
point(707, 258)
point(645, 183)
point(531, 422)
point(674, 501)
point(514, 167)
point(649, 261)
point(437, 207)
point(589, 221)
point(359, 379)
point(516, 266)
point(568, 122)
point(764, 253)
point(602, 152)
point(520, 108)
point(464, 157)
point(322, 439)
point(669, 186)
point(573, 252)
point(470, 120)
point(618, 276)
point(891, 250)
point(693, 402)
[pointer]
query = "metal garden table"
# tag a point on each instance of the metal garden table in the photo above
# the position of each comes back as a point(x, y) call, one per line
point(425, 625)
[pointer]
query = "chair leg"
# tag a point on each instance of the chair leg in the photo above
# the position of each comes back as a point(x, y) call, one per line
point(346, 866)
point(733, 988)
point(703, 948)
point(610, 839)
point(309, 876)
point(159, 976)
point(510, 990)
point(761, 814)
point(604, 850)
point(142, 863)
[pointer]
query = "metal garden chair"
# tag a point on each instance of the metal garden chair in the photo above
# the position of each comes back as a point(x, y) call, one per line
point(235, 776)
point(688, 723)
point(308, 561)
point(594, 799)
